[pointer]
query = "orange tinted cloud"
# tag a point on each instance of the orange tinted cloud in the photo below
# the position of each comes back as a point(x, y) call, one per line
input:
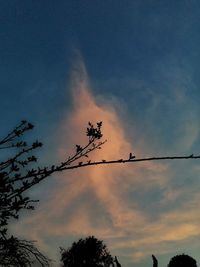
point(106, 201)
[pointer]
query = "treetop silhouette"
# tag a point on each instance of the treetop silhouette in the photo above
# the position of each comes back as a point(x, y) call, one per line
point(182, 260)
point(88, 252)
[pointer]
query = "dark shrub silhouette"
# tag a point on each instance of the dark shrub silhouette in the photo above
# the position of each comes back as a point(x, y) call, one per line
point(182, 261)
point(88, 252)
point(178, 261)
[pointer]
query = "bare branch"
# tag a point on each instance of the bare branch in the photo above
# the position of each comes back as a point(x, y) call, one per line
point(103, 162)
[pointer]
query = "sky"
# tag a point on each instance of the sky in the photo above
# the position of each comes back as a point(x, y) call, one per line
point(135, 66)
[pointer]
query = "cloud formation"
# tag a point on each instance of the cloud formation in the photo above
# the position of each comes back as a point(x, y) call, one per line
point(129, 206)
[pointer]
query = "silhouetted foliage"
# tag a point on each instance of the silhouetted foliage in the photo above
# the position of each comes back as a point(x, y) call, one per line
point(17, 176)
point(182, 261)
point(88, 252)
point(178, 261)
point(15, 252)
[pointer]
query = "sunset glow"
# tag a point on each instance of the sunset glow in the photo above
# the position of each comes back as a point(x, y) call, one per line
point(134, 66)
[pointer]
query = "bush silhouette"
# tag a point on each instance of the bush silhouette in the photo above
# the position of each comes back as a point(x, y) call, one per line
point(178, 261)
point(182, 261)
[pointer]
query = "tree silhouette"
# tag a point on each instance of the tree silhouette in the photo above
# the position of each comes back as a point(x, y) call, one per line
point(88, 252)
point(17, 175)
point(178, 261)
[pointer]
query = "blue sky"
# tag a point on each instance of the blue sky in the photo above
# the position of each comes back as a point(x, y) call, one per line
point(135, 66)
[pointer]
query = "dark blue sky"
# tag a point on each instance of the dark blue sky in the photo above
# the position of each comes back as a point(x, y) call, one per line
point(142, 59)
point(119, 41)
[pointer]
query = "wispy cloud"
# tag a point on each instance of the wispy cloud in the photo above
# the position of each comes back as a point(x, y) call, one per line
point(128, 206)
